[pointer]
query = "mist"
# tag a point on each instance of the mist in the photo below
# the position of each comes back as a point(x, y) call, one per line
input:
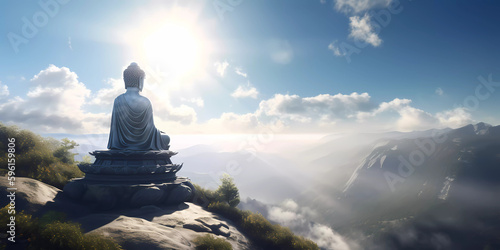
point(357, 191)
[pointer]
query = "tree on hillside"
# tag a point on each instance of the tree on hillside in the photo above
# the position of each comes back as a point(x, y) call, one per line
point(227, 191)
point(63, 152)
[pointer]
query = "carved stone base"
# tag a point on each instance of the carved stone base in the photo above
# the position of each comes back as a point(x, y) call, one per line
point(121, 178)
point(108, 195)
point(123, 162)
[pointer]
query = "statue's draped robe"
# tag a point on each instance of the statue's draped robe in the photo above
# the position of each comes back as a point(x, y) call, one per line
point(132, 127)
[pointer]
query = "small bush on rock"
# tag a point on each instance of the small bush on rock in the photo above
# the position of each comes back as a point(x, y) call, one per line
point(67, 235)
point(209, 242)
point(226, 193)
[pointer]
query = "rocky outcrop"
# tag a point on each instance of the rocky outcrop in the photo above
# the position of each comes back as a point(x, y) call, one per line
point(30, 195)
point(152, 227)
point(147, 227)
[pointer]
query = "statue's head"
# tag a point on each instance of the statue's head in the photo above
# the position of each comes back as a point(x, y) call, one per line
point(134, 76)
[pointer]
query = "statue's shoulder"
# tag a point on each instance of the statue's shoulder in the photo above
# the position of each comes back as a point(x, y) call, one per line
point(138, 99)
point(144, 100)
point(119, 98)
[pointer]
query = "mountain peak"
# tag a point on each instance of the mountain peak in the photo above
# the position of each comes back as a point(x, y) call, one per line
point(481, 128)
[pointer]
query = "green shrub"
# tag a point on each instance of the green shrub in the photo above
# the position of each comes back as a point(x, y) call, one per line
point(44, 159)
point(25, 224)
point(234, 214)
point(57, 174)
point(98, 242)
point(227, 192)
point(66, 235)
point(203, 196)
point(256, 226)
point(51, 232)
point(272, 236)
point(60, 235)
point(209, 242)
point(52, 216)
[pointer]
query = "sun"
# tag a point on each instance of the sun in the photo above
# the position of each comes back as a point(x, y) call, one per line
point(170, 41)
point(173, 46)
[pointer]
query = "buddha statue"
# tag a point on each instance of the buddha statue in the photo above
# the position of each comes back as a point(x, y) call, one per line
point(136, 171)
point(132, 125)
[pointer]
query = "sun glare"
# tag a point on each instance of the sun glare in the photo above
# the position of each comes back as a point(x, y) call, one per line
point(173, 46)
point(170, 41)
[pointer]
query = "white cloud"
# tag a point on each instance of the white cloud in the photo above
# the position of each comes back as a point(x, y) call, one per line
point(297, 220)
point(54, 104)
point(363, 30)
point(439, 91)
point(335, 48)
point(182, 114)
point(235, 123)
point(454, 118)
point(281, 51)
point(197, 101)
point(221, 67)
point(4, 90)
point(320, 108)
point(290, 204)
point(357, 6)
point(341, 112)
point(415, 119)
point(240, 72)
point(105, 96)
point(411, 118)
point(283, 216)
point(243, 92)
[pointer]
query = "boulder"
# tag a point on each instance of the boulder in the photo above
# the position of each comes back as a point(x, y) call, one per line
point(146, 227)
point(36, 197)
point(29, 194)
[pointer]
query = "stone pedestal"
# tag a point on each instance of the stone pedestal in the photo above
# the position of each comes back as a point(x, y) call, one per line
point(121, 178)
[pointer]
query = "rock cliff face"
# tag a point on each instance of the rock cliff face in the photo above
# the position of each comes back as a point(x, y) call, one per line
point(148, 227)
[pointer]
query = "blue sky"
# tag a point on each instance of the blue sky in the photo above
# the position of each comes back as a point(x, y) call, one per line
point(246, 66)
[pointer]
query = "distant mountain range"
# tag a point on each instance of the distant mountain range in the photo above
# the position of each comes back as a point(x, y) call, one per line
point(422, 190)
